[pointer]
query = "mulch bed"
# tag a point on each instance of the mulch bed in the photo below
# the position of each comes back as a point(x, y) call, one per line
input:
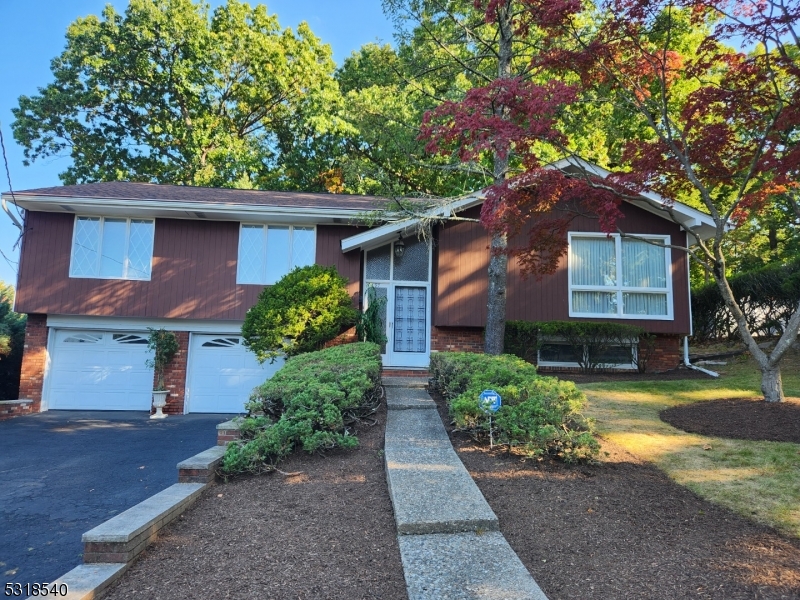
point(622, 529)
point(742, 418)
point(619, 529)
point(326, 533)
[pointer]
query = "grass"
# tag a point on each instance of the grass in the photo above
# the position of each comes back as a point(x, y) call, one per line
point(760, 480)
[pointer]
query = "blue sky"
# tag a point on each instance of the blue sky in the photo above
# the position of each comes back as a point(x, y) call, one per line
point(33, 34)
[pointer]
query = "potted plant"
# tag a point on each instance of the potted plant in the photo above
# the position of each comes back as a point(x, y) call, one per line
point(163, 344)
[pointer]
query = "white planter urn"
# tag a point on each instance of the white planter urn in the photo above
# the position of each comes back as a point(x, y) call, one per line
point(159, 402)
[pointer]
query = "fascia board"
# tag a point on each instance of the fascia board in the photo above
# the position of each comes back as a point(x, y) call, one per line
point(387, 232)
point(688, 217)
point(133, 206)
point(141, 324)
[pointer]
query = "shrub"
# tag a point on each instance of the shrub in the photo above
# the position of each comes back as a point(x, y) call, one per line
point(591, 341)
point(539, 415)
point(300, 313)
point(767, 296)
point(310, 404)
point(12, 341)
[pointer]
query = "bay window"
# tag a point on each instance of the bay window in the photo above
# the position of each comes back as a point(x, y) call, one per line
point(620, 277)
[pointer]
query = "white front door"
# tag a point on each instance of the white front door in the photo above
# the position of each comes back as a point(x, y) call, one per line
point(99, 370)
point(222, 373)
point(405, 284)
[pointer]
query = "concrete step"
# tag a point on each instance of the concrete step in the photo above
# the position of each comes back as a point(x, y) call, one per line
point(122, 538)
point(404, 382)
point(431, 490)
point(398, 398)
point(465, 566)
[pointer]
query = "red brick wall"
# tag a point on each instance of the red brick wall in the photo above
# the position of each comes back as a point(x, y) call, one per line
point(457, 339)
point(667, 354)
point(34, 359)
point(175, 376)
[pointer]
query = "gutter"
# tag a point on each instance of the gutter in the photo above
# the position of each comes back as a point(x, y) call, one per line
point(10, 214)
point(689, 365)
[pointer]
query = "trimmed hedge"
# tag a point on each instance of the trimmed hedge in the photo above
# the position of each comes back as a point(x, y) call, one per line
point(525, 338)
point(309, 403)
point(767, 297)
point(539, 416)
point(306, 308)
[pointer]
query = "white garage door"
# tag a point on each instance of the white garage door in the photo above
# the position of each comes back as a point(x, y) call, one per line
point(100, 370)
point(222, 373)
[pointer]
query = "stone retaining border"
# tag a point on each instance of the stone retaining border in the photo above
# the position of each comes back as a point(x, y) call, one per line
point(111, 547)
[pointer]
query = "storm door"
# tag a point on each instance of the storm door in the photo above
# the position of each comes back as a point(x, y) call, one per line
point(403, 279)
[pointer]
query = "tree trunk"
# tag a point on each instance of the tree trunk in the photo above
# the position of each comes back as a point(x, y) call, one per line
point(771, 384)
point(496, 308)
point(498, 259)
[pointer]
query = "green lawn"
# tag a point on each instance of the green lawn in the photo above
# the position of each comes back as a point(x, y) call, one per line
point(760, 480)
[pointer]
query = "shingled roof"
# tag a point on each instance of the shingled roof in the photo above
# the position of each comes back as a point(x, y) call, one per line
point(128, 190)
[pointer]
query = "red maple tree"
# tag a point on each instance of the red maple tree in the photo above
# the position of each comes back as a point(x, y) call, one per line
point(721, 126)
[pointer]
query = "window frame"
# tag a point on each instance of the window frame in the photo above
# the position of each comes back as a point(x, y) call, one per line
point(620, 289)
point(634, 346)
point(265, 227)
point(125, 276)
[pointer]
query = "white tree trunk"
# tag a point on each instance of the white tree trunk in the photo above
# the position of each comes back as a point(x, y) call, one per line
point(771, 384)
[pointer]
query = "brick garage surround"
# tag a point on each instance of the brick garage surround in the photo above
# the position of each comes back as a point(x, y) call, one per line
point(175, 376)
point(34, 359)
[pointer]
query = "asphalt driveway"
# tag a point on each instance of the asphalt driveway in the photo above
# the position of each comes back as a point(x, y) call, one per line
point(64, 472)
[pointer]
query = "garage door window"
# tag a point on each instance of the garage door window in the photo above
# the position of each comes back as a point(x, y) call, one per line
point(112, 248)
point(129, 338)
point(84, 338)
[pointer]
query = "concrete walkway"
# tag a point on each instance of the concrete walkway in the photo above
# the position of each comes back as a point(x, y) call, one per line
point(450, 542)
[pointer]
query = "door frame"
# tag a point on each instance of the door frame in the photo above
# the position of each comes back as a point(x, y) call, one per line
point(391, 358)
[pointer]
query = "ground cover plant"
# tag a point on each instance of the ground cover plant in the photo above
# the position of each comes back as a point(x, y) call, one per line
point(755, 478)
point(310, 403)
point(539, 415)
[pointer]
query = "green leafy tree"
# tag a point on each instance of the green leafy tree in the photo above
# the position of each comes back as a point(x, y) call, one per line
point(12, 341)
point(169, 92)
point(300, 313)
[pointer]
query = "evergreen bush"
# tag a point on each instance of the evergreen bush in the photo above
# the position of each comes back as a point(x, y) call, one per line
point(539, 416)
point(310, 403)
point(767, 297)
point(300, 313)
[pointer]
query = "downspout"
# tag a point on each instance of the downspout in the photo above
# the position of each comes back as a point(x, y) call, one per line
point(9, 213)
point(686, 362)
point(690, 365)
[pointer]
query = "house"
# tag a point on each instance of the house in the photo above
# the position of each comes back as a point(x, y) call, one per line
point(103, 262)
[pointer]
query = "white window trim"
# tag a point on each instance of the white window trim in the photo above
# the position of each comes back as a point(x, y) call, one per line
point(620, 289)
point(289, 250)
point(617, 366)
point(125, 276)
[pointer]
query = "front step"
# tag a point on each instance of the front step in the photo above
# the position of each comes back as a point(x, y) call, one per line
point(398, 398)
point(404, 382)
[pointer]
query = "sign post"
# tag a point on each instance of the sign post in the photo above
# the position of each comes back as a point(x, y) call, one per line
point(490, 402)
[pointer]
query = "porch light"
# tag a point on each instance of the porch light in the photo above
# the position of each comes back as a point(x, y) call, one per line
point(399, 247)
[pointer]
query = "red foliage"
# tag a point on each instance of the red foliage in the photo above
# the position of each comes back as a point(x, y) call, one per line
point(734, 140)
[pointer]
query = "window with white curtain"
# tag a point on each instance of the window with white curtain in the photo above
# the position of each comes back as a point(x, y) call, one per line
point(268, 252)
point(112, 248)
point(620, 277)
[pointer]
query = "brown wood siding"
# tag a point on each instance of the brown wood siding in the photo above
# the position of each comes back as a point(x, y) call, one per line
point(193, 275)
point(329, 253)
point(463, 259)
